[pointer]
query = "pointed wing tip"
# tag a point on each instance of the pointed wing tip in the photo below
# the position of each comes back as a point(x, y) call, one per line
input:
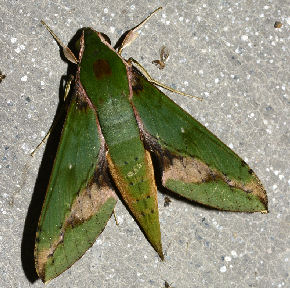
point(158, 249)
point(161, 255)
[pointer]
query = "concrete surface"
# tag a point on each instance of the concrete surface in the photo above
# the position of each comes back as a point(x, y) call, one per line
point(227, 52)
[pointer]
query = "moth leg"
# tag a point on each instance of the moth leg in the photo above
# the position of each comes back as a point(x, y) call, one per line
point(115, 217)
point(153, 81)
point(133, 34)
point(66, 92)
point(69, 55)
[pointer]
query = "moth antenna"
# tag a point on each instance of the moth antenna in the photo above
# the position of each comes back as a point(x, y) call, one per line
point(69, 55)
point(153, 81)
point(132, 34)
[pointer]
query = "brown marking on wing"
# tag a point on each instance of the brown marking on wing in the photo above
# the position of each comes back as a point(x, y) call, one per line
point(85, 205)
point(102, 68)
point(192, 170)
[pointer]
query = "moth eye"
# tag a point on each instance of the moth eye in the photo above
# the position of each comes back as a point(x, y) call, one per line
point(107, 39)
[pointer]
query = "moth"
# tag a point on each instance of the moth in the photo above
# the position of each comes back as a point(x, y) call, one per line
point(117, 120)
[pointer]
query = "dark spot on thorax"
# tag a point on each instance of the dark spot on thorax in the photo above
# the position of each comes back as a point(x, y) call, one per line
point(102, 68)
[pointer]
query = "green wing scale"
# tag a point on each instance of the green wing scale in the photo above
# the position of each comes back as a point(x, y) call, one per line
point(195, 163)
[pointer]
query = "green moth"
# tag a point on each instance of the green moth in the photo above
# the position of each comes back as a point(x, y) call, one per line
point(116, 121)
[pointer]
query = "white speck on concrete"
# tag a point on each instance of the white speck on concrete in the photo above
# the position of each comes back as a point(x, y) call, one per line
point(106, 10)
point(238, 50)
point(24, 78)
point(217, 80)
point(99, 242)
point(228, 258)
point(244, 38)
point(231, 145)
point(13, 40)
point(25, 147)
point(234, 253)
point(120, 219)
point(223, 269)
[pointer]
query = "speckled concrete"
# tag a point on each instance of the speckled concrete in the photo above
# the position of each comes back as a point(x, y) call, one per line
point(227, 52)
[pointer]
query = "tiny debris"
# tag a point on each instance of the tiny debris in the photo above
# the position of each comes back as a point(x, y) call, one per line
point(278, 24)
point(167, 285)
point(2, 76)
point(167, 201)
point(164, 54)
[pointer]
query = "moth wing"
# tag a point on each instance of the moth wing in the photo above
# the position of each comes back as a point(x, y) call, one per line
point(195, 163)
point(79, 199)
